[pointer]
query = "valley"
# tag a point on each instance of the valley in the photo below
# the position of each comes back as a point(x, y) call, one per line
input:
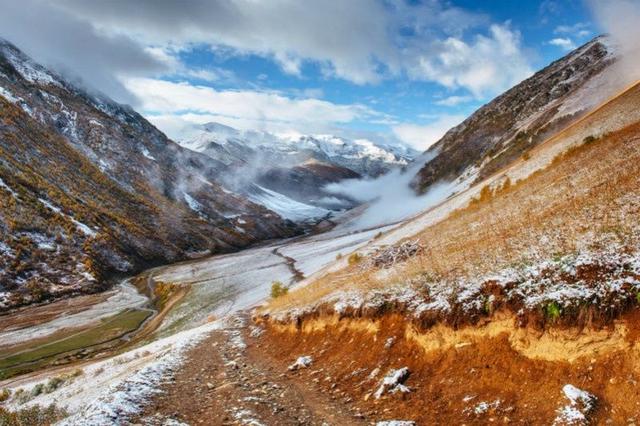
point(252, 250)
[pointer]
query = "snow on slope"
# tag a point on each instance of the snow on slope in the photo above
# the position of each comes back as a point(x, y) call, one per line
point(360, 155)
point(286, 207)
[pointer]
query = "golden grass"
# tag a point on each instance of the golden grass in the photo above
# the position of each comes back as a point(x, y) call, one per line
point(587, 197)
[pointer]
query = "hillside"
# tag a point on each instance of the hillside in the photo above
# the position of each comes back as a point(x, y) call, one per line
point(524, 116)
point(89, 188)
point(530, 276)
point(297, 167)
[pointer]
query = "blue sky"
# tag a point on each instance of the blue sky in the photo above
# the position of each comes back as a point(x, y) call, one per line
point(388, 70)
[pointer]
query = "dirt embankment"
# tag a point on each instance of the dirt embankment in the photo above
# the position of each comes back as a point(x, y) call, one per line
point(493, 371)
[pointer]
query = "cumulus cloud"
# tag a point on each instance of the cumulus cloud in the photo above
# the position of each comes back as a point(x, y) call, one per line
point(454, 100)
point(243, 109)
point(361, 41)
point(486, 65)
point(422, 137)
point(579, 30)
point(564, 43)
point(74, 47)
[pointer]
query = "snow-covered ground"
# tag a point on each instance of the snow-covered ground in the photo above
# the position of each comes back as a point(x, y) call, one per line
point(286, 207)
point(124, 296)
point(110, 391)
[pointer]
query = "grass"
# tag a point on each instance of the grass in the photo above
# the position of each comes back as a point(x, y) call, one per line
point(278, 290)
point(354, 259)
point(110, 328)
point(32, 416)
point(555, 210)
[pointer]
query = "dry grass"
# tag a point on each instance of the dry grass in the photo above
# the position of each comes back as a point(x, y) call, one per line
point(586, 198)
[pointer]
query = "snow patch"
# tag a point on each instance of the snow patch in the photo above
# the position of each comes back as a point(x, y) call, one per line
point(581, 404)
point(301, 362)
point(393, 382)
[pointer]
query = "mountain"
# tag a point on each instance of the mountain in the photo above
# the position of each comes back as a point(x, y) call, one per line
point(524, 116)
point(362, 156)
point(293, 168)
point(89, 188)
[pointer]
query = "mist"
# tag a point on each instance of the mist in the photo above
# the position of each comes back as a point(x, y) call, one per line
point(390, 196)
point(619, 19)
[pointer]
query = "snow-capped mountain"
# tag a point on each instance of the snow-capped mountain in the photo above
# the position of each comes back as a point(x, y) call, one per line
point(363, 156)
point(89, 188)
point(279, 170)
point(524, 116)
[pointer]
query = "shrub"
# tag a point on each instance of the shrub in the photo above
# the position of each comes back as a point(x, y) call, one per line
point(338, 256)
point(53, 384)
point(35, 415)
point(5, 394)
point(589, 139)
point(553, 311)
point(526, 156)
point(278, 289)
point(37, 390)
point(354, 258)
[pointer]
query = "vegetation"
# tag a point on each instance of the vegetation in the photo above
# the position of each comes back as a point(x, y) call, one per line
point(354, 258)
point(32, 416)
point(5, 394)
point(20, 361)
point(278, 289)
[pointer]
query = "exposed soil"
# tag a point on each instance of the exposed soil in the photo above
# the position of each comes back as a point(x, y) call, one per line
point(228, 379)
point(473, 381)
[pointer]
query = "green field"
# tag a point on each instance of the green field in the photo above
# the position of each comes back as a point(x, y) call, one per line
point(108, 330)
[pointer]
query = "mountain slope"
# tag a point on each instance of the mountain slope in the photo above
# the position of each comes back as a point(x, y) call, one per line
point(89, 188)
point(522, 117)
point(295, 166)
point(362, 156)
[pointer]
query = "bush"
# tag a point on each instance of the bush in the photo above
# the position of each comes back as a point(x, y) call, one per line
point(354, 258)
point(553, 311)
point(35, 415)
point(589, 139)
point(278, 289)
point(526, 156)
point(5, 394)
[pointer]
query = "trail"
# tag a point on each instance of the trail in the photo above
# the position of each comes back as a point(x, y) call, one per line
point(291, 264)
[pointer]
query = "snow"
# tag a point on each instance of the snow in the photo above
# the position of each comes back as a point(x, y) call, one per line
point(3, 185)
point(8, 95)
point(124, 296)
point(85, 229)
point(286, 207)
point(112, 391)
point(393, 382)
point(28, 69)
point(581, 403)
point(192, 203)
point(147, 154)
point(533, 287)
point(301, 362)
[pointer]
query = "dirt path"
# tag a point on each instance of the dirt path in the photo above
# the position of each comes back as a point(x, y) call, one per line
point(228, 380)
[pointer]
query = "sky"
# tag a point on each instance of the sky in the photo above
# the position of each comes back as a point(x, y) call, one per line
point(392, 71)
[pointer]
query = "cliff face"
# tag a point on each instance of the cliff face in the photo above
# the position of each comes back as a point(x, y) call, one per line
point(522, 117)
point(88, 188)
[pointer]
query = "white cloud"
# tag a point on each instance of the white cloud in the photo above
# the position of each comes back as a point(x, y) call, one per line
point(564, 43)
point(240, 108)
point(454, 100)
point(362, 41)
point(484, 66)
point(619, 18)
point(422, 137)
point(578, 30)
